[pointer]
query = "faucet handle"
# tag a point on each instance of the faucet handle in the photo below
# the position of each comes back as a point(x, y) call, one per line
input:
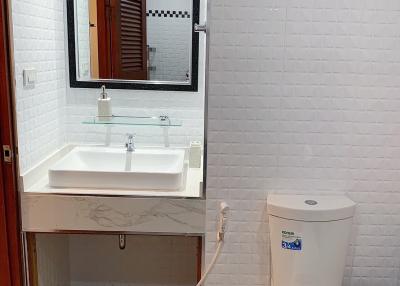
point(131, 135)
point(130, 144)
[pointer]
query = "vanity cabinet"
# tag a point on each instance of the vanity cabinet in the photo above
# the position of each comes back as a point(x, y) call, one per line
point(98, 260)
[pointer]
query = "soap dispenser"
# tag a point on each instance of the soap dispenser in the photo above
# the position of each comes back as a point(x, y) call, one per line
point(104, 111)
point(195, 154)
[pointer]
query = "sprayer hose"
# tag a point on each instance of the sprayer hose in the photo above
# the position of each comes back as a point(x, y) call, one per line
point(212, 263)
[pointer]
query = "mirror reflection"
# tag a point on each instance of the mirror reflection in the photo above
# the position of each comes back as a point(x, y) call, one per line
point(143, 40)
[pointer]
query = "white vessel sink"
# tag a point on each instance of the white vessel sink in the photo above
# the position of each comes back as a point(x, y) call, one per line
point(111, 168)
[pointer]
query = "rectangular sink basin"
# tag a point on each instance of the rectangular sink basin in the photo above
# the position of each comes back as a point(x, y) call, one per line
point(112, 168)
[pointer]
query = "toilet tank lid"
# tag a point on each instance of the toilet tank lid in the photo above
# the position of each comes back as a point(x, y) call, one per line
point(310, 208)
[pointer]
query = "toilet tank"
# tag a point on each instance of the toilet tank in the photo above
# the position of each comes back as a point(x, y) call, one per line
point(309, 239)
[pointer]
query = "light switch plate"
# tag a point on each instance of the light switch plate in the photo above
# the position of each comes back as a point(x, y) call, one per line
point(29, 77)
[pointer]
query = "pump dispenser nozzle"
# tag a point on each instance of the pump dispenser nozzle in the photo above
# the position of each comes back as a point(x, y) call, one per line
point(103, 94)
point(104, 105)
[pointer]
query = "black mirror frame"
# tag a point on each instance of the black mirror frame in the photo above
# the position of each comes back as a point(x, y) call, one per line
point(121, 84)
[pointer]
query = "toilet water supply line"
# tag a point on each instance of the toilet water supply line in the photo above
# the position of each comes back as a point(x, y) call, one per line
point(223, 219)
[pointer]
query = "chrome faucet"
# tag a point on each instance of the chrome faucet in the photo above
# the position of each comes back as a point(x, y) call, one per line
point(130, 144)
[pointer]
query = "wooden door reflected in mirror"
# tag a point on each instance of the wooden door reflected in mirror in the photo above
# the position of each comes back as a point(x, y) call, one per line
point(120, 30)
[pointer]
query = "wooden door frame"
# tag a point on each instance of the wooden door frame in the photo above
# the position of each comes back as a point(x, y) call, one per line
point(8, 170)
point(5, 271)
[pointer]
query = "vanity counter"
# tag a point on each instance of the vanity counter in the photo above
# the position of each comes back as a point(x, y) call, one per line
point(48, 209)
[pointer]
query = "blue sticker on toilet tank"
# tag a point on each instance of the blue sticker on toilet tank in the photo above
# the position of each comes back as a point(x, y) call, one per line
point(291, 240)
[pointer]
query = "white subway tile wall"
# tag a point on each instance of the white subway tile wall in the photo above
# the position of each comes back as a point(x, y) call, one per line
point(83, 39)
point(182, 106)
point(304, 97)
point(171, 37)
point(38, 28)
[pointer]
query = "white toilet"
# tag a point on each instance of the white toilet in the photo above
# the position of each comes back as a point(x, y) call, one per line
point(309, 239)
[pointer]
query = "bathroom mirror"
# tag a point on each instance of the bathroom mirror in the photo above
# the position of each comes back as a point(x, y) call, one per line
point(133, 44)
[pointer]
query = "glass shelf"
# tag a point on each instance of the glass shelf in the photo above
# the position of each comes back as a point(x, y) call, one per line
point(163, 121)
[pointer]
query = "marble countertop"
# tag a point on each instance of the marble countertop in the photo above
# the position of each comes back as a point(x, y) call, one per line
point(60, 213)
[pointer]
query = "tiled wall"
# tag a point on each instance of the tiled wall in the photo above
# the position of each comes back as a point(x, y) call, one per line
point(39, 43)
point(83, 39)
point(305, 98)
point(171, 37)
point(183, 106)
